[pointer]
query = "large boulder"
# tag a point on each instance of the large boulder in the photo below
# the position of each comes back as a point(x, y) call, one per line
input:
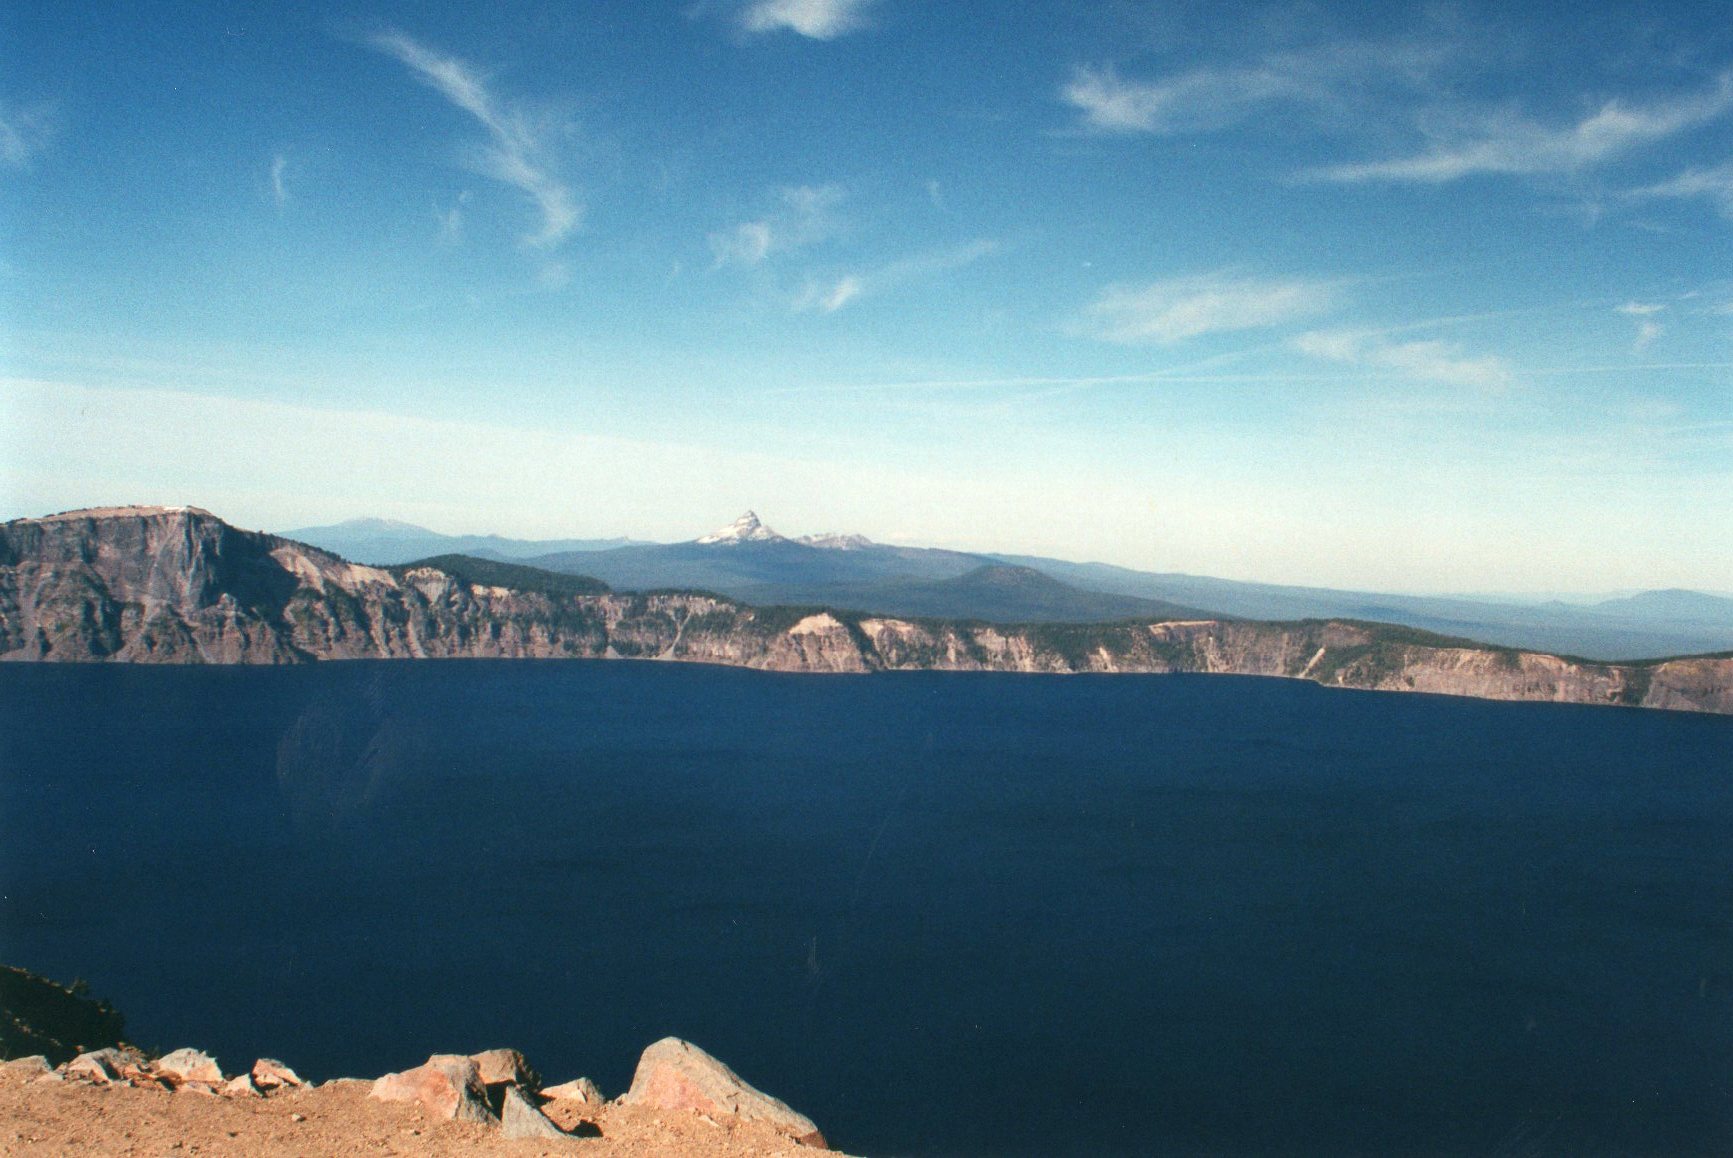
point(188, 1065)
point(520, 1119)
point(447, 1085)
point(502, 1066)
point(677, 1075)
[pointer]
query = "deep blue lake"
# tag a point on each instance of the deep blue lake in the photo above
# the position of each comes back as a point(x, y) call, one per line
point(939, 913)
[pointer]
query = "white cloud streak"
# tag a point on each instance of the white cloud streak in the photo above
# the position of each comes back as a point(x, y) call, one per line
point(807, 215)
point(516, 150)
point(23, 134)
point(814, 19)
point(1715, 184)
point(833, 296)
point(1165, 312)
point(1208, 98)
point(1508, 143)
point(1426, 361)
point(279, 179)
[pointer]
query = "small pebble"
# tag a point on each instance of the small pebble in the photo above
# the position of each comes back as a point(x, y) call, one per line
point(297, 1117)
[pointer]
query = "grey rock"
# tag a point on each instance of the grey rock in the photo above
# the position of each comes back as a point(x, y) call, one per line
point(519, 1119)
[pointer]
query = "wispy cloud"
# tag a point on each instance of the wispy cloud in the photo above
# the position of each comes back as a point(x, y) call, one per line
point(1208, 98)
point(450, 220)
point(805, 215)
point(1506, 142)
point(279, 178)
point(1170, 311)
point(1714, 184)
point(1649, 326)
point(24, 132)
point(815, 19)
point(830, 296)
point(1427, 361)
point(516, 149)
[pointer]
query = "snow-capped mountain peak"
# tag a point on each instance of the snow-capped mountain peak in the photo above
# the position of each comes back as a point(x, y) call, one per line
point(834, 542)
point(745, 529)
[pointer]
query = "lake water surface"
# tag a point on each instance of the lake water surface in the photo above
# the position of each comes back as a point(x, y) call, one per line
point(939, 913)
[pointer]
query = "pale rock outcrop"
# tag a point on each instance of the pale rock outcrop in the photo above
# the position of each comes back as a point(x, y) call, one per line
point(185, 1066)
point(677, 1075)
point(102, 1066)
point(242, 1086)
point(520, 1119)
point(446, 1085)
point(579, 1090)
point(270, 1074)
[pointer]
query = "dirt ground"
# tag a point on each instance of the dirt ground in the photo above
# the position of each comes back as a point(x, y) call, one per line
point(338, 1120)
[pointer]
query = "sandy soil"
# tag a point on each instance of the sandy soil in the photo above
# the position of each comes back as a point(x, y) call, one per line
point(337, 1120)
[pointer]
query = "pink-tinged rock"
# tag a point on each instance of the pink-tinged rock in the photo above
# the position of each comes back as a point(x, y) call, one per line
point(447, 1086)
point(101, 1066)
point(677, 1075)
point(241, 1087)
point(520, 1119)
point(270, 1074)
point(499, 1066)
point(581, 1090)
point(188, 1065)
point(203, 1089)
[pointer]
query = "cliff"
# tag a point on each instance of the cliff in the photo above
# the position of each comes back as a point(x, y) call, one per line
point(178, 585)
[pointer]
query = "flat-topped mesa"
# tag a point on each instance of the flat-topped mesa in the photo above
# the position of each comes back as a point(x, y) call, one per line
point(166, 586)
point(134, 512)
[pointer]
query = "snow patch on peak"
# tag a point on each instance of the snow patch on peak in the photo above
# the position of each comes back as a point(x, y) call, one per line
point(834, 542)
point(745, 529)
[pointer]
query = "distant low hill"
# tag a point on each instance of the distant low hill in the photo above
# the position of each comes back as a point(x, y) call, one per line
point(385, 542)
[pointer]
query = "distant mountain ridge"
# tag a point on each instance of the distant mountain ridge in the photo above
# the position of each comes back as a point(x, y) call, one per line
point(179, 585)
point(750, 561)
point(386, 542)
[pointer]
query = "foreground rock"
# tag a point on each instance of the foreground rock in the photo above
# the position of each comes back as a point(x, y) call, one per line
point(677, 1075)
point(185, 1066)
point(580, 1090)
point(519, 1119)
point(446, 1085)
point(41, 1119)
point(270, 1074)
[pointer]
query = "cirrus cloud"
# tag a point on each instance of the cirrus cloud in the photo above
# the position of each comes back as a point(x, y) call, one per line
point(814, 19)
point(1169, 311)
point(517, 146)
point(1428, 360)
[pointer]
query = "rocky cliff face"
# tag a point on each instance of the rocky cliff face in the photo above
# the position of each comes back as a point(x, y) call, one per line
point(178, 585)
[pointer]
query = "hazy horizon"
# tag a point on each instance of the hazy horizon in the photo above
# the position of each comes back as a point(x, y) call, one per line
point(1432, 299)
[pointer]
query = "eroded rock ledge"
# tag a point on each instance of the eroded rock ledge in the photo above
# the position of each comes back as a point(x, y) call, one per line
point(178, 585)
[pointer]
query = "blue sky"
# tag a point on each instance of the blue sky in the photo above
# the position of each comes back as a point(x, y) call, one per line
point(1425, 298)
